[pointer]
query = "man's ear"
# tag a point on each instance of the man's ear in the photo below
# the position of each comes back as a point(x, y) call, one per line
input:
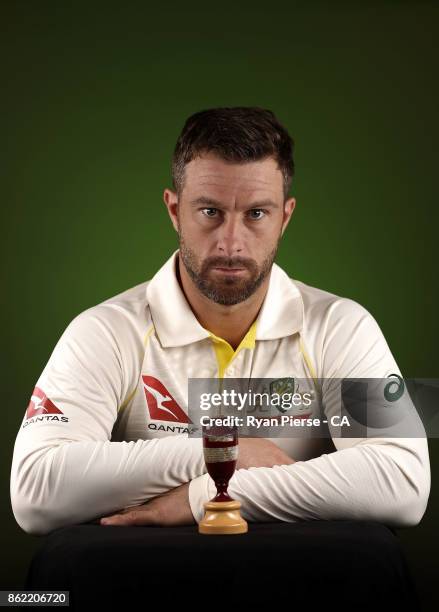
point(289, 206)
point(170, 199)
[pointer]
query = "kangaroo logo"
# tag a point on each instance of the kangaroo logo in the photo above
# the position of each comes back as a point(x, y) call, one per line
point(40, 404)
point(161, 405)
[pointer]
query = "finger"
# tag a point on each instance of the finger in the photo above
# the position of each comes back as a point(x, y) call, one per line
point(128, 518)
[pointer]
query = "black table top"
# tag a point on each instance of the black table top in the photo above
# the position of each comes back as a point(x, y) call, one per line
point(354, 563)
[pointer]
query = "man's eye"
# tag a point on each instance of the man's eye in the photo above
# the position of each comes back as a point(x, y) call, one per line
point(256, 213)
point(209, 212)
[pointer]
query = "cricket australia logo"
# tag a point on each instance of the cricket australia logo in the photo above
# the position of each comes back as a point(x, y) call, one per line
point(280, 387)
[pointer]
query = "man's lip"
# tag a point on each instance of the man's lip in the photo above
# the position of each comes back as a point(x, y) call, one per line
point(231, 270)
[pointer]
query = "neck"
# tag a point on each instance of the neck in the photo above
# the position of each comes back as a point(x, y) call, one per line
point(228, 322)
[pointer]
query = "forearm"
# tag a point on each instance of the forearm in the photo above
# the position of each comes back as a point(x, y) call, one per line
point(74, 482)
point(387, 482)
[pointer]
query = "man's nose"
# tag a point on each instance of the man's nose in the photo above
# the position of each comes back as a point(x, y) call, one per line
point(230, 237)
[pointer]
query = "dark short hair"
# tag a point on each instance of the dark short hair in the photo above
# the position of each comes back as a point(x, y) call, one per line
point(236, 134)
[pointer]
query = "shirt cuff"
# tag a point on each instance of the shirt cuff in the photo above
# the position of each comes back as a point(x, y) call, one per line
point(201, 489)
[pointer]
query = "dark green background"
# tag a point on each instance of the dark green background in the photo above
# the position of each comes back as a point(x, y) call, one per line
point(93, 99)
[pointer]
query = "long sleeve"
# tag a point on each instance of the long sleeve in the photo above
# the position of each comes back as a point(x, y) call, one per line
point(378, 480)
point(382, 479)
point(65, 468)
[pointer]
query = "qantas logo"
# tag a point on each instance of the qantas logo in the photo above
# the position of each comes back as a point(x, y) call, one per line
point(42, 409)
point(162, 406)
point(40, 404)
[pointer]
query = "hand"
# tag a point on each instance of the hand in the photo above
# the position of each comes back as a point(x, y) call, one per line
point(171, 508)
point(259, 452)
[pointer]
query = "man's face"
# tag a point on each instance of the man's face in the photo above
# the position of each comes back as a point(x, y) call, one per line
point(229, 218)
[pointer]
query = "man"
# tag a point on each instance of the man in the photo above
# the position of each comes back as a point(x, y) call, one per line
point(105, 434)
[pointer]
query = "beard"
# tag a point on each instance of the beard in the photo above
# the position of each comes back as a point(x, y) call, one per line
point(228, 290)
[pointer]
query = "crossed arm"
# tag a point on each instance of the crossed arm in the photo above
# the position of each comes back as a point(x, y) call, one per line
point(173, 507)
point(387, 480)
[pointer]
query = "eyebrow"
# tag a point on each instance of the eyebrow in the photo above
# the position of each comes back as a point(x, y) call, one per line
point(216, 204)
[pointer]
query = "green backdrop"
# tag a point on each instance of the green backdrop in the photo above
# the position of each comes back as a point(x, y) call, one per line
point(93, 99)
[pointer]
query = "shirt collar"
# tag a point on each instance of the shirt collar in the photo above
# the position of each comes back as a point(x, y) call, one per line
point(173, 318)
point(281, 313)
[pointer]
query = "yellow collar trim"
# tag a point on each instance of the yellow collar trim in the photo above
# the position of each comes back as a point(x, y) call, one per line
point(224, 351)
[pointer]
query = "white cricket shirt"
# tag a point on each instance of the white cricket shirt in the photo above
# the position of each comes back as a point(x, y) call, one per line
point(106, 426)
